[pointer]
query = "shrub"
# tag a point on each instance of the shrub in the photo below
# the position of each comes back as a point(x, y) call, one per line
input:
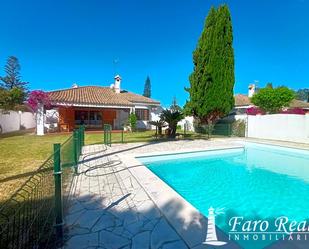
point(239, 128)
point(171, 117)
point(133, 121)
point(272, 100)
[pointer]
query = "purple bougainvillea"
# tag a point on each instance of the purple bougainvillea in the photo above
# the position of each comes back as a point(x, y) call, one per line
point(36, 97)
point(298, 111)
point(254, 111)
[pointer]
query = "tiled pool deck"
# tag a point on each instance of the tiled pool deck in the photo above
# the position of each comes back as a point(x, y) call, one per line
point(116, 202)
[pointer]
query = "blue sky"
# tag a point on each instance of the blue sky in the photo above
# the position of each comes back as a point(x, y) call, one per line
point(62, 42)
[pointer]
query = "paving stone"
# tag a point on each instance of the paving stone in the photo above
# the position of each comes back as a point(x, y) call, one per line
point(135, 227)
point(162, 233)
point(148, 209)
point(71, 219)
point(82, 241)
point(141, 240)
point(105, 221)
point(175, 245)
point(76, 230)
point(75, 207)
point(112, 241)
point(89, 218)
point(111, 210)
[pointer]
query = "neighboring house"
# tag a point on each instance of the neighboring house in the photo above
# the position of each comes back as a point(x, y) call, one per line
point(243, 102)
point(94, 106)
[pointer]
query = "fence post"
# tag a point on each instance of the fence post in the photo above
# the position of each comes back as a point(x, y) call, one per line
point(122, 133)
point(83, 135)
point(104, 135)
point(79, 140)
point(110, 136)
point(75, 138)
point(58, 192)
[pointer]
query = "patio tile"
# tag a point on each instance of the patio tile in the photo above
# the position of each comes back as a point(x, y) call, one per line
point(104, 222)
point(83, 241)
point(141, 240)
point(162, 233)
point(113, 241)
point(110, 209)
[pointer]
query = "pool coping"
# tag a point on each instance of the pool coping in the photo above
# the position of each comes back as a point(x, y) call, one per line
point(188, 222)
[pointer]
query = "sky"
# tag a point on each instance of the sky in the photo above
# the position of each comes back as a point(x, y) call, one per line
point(59, 43)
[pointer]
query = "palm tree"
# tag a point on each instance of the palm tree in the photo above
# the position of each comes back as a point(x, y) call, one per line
point(159, 124)
point(171, 117)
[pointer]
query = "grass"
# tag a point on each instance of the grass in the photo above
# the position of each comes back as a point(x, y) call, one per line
point(23, 153)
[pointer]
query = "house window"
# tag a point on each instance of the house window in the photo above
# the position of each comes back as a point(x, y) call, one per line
point(142, 114)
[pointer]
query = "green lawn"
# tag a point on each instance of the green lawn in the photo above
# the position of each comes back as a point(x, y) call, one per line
point(22, 153)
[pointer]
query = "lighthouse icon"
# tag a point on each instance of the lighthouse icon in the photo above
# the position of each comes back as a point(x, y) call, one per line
point(211, 237)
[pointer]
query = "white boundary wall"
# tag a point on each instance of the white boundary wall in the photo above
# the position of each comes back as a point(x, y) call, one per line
point(14, 121)
point(285, 127)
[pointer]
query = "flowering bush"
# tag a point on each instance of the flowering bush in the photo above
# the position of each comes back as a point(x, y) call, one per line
point(254, 111)
point(36, 97)
point(296, 110)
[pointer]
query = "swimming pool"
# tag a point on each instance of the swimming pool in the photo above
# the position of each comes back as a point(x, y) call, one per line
point(256, 182)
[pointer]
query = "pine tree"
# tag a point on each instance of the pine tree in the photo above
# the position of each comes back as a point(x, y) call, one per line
point(212, 81)
point(147, 88)
point(174, 106)
point(12, 78)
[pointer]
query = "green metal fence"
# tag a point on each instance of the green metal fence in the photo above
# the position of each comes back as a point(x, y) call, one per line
point(222, 129)
point(33, 216)
point(107, 128)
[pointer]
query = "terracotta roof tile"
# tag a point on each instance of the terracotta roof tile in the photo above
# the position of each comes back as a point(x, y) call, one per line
point(299, 104)
point(242, 100)
point(96, 95)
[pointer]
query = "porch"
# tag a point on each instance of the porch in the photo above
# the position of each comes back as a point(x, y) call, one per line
point(92, 118)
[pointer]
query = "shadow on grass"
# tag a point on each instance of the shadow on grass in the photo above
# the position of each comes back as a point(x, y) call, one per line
point(16, 133)
point(142, 137)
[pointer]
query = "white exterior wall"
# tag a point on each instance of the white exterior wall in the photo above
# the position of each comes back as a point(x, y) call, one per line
point(14, 121)
point(285, 127)
point(188, 121)
point(121, 118)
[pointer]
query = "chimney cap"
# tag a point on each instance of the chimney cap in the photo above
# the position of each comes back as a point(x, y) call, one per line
point(117, 77)
point(74, 85)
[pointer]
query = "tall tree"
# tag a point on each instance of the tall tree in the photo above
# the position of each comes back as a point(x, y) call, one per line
point(147, 88)
point(174, 106)
point(303, 94)
point(13, 91)
point(12, 78)
point(212, 81)
point(269, 85)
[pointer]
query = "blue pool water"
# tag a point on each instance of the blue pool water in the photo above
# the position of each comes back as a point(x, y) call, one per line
point(256, 182)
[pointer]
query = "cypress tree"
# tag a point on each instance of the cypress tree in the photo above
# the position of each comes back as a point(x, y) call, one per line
point(147, 88)
point(212, 81)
